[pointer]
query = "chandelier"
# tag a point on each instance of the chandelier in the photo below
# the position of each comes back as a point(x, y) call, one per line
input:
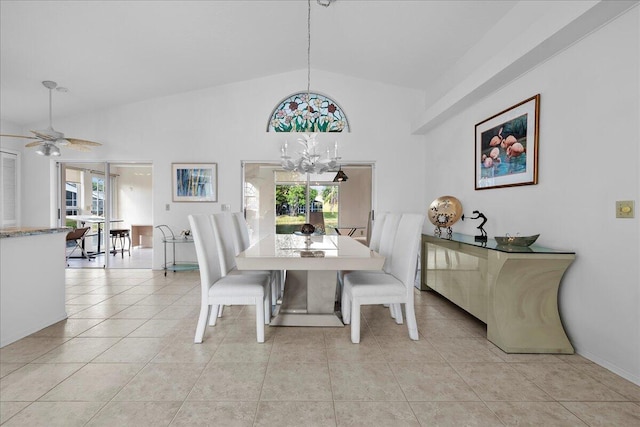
point(309, 160)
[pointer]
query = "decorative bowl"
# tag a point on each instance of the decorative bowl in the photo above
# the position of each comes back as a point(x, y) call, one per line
point(307, 229)
point(516, 240)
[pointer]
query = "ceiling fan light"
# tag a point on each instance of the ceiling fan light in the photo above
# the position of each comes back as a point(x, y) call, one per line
point(48, 150)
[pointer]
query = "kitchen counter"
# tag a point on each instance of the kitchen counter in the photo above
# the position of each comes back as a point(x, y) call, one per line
point(32, 280)
point(30, 231)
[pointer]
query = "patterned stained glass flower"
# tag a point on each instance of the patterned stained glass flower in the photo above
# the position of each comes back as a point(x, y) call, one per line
point(304, 112)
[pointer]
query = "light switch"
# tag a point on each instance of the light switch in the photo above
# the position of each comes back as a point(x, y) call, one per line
point(625, 209)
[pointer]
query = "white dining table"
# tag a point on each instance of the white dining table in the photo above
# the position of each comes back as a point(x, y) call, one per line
point(311, 264)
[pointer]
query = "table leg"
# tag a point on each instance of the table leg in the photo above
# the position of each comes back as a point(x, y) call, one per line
point(83, 248)
point(309, 300)
point(99, 236)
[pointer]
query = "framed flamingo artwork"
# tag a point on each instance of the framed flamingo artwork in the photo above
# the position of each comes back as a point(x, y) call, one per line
point(506, 153)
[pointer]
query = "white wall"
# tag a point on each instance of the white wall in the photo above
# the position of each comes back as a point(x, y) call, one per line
point(9, 128)
point(588, 159)
point(227, 125)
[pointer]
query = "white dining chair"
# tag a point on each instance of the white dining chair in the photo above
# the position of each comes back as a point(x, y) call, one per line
point(374, 243)
point(385, 248)
point(383, 237)
point(218, 289)
point(243, 241)
point(224, 222)
point(395, 286)
point(376, 232)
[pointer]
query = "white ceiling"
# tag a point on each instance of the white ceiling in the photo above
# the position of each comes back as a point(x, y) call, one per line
point(115, 52)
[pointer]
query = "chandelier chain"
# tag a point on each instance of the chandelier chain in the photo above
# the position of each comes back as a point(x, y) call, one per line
point(308, 49)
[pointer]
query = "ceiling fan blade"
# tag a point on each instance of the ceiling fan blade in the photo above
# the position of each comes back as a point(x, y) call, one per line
point(44, 136)
point(20, 136)
point(78, 147)
point(77, 142)
point(34, 144)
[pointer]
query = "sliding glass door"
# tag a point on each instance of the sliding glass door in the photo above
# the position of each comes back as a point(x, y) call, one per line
point(105, 196)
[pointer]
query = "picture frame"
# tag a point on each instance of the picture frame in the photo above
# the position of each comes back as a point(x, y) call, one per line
point(195, 182)
point(506, 147)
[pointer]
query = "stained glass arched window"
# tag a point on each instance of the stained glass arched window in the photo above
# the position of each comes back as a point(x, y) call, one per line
point(303, 112)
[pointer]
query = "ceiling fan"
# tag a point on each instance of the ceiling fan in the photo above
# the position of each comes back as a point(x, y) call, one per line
point(48, 140)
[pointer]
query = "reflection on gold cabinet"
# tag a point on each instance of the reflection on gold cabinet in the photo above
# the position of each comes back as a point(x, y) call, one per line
point(460, 274)
point(513, 290)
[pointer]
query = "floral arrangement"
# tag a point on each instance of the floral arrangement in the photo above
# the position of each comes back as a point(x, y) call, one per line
point(308, 112)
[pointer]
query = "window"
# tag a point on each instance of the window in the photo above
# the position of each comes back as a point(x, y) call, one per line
point(71, 201)
point(270, 208)
point(71, 198)
point(291, 203)
point(97, 196)
point(9, 188)
point(308, 112)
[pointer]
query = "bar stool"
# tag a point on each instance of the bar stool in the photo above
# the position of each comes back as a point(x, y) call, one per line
point(120, 233)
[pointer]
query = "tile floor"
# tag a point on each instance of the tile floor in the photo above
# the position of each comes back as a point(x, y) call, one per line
point(125, 357)
point(140, 258)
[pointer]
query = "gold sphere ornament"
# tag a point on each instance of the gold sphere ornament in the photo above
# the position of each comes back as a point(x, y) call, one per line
point(444, 212)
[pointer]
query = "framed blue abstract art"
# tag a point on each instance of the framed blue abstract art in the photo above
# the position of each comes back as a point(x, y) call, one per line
point(195, 182)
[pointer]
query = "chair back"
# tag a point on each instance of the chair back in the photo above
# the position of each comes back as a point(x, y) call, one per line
point(78, 233)
point(317, 220)
point(207, 243)
point(376, 232)
point(226, 230)
point(243, 239)
point(388, 238)
point(405, 249)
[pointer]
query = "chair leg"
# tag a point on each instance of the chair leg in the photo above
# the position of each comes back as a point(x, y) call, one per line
point(355, 322)
point(202, 323)
point(397, 311)
point(213, 314)
point(86, 255)
point(274, 289)
point(260, 319)
point(220, 310)
point(345, 305)
point(267, 309)
point(392, 310)
point(412, 325)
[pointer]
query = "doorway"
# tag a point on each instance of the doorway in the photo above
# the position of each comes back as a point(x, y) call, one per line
point(105, 197)
point(274, 200)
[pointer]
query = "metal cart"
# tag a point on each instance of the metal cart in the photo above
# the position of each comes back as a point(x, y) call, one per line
point(168, 237)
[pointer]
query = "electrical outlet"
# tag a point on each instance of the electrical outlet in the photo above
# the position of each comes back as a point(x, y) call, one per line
point(167, 207)
point(226, 208)
point(625, 209)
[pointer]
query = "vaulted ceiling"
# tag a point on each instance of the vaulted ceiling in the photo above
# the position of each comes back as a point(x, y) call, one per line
point(115, 52)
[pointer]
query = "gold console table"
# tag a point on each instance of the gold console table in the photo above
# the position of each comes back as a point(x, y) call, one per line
point(514, 290)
